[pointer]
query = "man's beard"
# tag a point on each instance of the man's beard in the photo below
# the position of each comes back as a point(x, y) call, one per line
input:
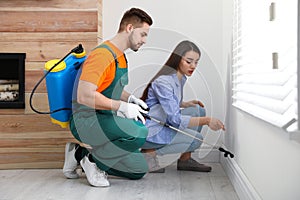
point(134, 48)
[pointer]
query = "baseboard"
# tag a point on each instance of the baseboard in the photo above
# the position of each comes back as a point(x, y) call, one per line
point(240, 182)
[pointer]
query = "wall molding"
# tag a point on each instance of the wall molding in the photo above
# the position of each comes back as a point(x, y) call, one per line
point(240, 182)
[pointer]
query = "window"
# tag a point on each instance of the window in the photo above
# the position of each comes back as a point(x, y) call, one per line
point(265, 60)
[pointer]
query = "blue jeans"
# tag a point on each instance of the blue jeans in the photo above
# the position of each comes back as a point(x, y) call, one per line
point(181, 143)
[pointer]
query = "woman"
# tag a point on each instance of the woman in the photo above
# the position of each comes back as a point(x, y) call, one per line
point(163, 96)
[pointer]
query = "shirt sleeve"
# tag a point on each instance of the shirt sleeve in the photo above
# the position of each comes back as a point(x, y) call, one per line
point(169, 102)
point(97, 68)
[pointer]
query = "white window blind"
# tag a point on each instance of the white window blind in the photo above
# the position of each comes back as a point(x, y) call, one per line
point(265, 59)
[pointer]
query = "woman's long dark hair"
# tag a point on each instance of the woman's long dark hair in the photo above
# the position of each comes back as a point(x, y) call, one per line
point(172, 63)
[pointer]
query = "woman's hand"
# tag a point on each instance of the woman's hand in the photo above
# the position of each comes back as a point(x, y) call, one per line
point(215, 124)
point(192, 103)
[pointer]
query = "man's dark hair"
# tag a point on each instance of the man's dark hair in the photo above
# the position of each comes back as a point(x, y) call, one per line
point(136, 17)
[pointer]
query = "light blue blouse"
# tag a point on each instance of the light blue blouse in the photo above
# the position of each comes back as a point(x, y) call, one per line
point(164, 100)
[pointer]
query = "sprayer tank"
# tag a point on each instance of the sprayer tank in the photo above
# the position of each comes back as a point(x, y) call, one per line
point(59, 83)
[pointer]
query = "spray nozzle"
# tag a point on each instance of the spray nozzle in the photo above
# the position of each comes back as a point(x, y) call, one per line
point(226, 153)
point(78, 49)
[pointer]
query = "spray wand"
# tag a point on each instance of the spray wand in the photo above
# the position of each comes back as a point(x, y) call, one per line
point(221, 149)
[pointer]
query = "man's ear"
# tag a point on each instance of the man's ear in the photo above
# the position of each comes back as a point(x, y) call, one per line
point(129, 28)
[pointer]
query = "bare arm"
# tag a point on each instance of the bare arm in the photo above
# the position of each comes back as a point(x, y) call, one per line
point(212, 123)
point(192, 103)
point(87, 95)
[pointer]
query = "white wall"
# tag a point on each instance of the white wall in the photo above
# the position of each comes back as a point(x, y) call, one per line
point(264, 153)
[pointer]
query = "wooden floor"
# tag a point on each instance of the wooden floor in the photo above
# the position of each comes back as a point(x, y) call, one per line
point(172, 185)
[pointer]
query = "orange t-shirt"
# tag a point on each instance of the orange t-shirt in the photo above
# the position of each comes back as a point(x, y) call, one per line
point(99, 68)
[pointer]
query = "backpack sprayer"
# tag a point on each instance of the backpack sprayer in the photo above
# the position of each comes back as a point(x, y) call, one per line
point(60, 76)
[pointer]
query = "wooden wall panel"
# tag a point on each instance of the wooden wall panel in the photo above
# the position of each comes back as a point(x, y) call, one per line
point(39, 102)
point(51, 21)
point(45, 46)
point(47, 36)
point(31, 159)
point(33, 142)
point(43, 51)
point(32, 77)
point(44, 30)
point(53, 4)
point(27, 123)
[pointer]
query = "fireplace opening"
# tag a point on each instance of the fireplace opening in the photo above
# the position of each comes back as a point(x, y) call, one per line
point(12, 80)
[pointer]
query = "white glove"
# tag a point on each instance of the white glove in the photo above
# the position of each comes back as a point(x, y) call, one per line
point(133, 99)
point(131, 111)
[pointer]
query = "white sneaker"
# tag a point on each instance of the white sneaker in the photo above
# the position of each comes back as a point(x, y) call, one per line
point(94, 175)
point(70, 164)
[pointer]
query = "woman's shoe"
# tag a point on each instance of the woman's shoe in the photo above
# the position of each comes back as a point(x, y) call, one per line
point(192, 165)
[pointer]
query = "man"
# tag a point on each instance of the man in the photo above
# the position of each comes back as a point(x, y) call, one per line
point(106, 117)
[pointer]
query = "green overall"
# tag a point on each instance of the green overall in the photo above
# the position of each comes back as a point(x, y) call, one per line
point(115, 141)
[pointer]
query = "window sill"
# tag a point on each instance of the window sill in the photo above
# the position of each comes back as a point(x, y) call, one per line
point(295, 136)
point(294, 132)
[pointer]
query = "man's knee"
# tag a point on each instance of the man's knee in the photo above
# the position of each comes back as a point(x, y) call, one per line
point(133, 165)
point(139, 137)
point(132, 142)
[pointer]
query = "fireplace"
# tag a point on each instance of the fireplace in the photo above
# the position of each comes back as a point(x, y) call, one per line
point(12, 80)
